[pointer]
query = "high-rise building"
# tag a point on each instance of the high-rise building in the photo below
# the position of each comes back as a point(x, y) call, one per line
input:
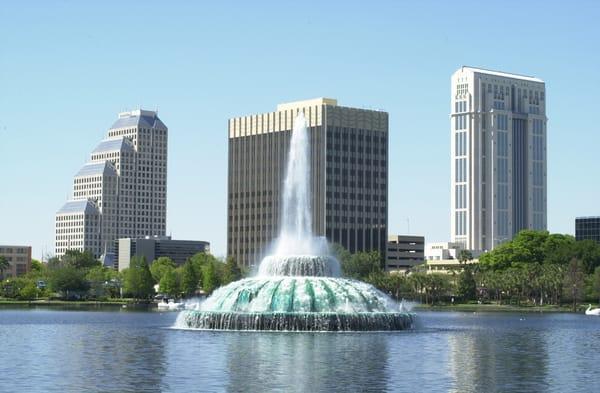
point(154, 247)
point(587, 228)
point(121, 191)
point(349, 173)
point(498, 150)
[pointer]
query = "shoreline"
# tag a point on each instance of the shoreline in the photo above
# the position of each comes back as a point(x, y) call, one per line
point(500, 308)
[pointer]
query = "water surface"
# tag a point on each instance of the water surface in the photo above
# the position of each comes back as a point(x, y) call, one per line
point(127, 351)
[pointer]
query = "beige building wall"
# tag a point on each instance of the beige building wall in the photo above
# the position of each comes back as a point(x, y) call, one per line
point(19, 259)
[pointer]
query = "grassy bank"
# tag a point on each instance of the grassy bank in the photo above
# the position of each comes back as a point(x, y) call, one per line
point(471, 307)
point(53, 302)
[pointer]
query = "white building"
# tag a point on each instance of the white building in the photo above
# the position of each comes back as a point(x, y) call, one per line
point(442, 250)
point(498, 150)
point(125, 181)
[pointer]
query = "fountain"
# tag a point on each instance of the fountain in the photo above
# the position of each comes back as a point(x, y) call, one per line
point(298, 287)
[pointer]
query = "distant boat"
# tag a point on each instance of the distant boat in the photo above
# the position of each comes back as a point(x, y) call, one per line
point(592, 311)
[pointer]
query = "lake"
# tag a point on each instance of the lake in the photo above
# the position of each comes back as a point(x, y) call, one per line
point(119, 350)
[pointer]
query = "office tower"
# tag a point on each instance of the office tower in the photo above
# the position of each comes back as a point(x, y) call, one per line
point(18, 258)
point(404, 252)
point(154, 247)
point(349, 172)
point(121, 191)
point(498, 150)
point(587, 228)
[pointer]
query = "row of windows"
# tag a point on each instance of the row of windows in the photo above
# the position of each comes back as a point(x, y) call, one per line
point(502, 226)
point(461, 196)
point(538, 127)
point(538, 147)
point(502, 122)
point(460, 106)
point(502, 140)
point(461, 170)
point(461, 143)
point(460, 122)
point(460, 223)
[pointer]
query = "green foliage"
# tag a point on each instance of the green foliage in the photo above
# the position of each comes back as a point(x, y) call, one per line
point(340, 253)
point(210, 278)
point(189, 278)
point(596, 283)
point(79, 260)
point(465, 256)
point(466, 286)
point(574, 281)
point(65, 279)
point(169, 283)
point(231, 271)
point(137, 279)
point(4, 265)
point(362, 264)
point(37, 266)
point(160, 266)
point(28, 291)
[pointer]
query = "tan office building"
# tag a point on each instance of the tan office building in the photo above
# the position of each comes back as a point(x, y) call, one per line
point(349, 172)
point(19, 259)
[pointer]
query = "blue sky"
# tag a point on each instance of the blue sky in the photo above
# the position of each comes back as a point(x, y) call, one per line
point(68, 68)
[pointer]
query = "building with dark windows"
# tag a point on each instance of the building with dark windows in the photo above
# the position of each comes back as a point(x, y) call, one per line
point(404, 252)
point(349, 164)
point(19, 260)
point(498, 150)
point(587, 228)
point(153, 247)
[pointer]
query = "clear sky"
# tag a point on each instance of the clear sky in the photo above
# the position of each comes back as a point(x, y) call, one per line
point(68, 68)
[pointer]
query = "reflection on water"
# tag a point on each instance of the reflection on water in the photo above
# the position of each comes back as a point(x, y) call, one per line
point(66, 351)
point(325, 362)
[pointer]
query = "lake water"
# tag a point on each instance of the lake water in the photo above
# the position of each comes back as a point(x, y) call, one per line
point(117, 350)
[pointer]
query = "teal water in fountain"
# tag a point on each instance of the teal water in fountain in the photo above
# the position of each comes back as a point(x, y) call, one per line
point(298, 287)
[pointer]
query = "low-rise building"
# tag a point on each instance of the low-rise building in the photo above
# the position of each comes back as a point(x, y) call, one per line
point(153, 247)
point(19, 260)
point(446, 265)
point(404, 252)
point(587, 228)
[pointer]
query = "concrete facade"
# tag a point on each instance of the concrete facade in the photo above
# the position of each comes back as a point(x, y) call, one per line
point(349, 172)
point(498, 150)
point(19, 259)
point(404, 252)
point(158, 246)
point(126, 181)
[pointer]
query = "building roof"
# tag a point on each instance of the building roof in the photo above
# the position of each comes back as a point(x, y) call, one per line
point(110, 145)
point(83, 206)
point(97, 169)
point(304, 103)
point(138, 118)
point(503, 74)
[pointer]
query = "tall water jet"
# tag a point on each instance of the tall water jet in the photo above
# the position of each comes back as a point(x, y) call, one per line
point(298, 287)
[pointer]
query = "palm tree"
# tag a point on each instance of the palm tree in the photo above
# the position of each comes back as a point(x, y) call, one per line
point(3, 265)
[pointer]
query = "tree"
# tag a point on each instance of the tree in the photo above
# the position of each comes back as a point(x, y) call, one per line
point(80, 260)
point(97, 277)
point(169, 283)
point(160, 266)
point(467, 288)
point(189, 278)
point(137, 279)
point(37, 266)
point(574, 281)
point(231, 271)
point(210, 279)
point(465, 256)
point(68, 279)
point(362, 264)
point(340, 253)
point(4, 265)
point(596, 282)
point(29, 291)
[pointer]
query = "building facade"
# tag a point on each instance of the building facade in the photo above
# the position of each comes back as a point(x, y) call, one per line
point(587, 228)
point(404, 252)
point(349, 172)
point(19, 260)
point(155, 247)
point(123, 185)
point(498, 150)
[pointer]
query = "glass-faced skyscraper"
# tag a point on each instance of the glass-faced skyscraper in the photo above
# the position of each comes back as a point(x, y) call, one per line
point(349, 172)
point(498, 150)
point(121, 191)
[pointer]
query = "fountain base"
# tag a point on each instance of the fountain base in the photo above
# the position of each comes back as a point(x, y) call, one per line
point(309, 321)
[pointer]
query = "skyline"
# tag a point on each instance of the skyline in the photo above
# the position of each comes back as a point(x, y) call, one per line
point(90, 74)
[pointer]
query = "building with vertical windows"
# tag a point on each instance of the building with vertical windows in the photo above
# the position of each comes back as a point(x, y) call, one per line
point(587, 228)
point(349, 172)
point(498, 150)
point(154, 247)
point(19, 260)
point(404, 252)
point(121, 191)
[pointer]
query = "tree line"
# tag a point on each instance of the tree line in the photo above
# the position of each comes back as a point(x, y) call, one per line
point(78, 275)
